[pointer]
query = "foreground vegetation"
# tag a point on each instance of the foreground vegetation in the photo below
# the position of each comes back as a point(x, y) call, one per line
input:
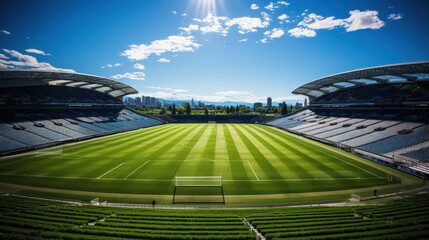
point(22, 218)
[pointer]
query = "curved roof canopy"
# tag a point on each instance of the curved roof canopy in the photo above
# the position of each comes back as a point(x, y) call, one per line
point(26, 78)
point(405, 72)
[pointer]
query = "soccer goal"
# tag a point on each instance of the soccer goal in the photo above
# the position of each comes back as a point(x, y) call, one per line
point(201, 189)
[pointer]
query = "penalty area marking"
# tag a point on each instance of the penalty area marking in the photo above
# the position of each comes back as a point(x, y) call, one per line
point(253, 170)
point(110, 170)
point(136, 169)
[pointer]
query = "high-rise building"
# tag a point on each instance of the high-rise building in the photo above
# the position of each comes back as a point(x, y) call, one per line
point(138, 100)
point(152, 101)
point(257, 105)
point(305, 102)
point(192, 103)
point(147, 101)
point(269, 102)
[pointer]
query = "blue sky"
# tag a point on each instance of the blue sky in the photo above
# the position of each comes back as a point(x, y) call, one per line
point(212, 50)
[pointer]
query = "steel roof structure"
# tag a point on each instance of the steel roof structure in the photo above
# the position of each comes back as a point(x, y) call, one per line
point(26, 78)
point(404, 72)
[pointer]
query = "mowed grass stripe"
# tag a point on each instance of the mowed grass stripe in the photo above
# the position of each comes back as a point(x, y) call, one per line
point(121, 141)
point(207, 161)
point(169, 143)
point(99, 161)
point(327, 155)
point(184, 153)
point(112, 139)
point(276, 149)
point(264, 164)
point(317, 167)
point(238, 170)
point(221, 151)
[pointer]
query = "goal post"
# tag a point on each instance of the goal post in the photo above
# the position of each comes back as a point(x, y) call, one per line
point(199, 184)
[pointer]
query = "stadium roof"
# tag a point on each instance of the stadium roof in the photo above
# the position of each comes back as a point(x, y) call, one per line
point(25, 78)
point(405, 72)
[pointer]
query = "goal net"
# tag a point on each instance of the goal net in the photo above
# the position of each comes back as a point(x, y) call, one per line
point(213, 181)
point(198, 189)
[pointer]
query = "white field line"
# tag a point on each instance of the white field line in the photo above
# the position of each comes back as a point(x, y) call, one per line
point(349, 163)
point(343, 160)
point(311, 145)
point(110, 170)
point(224, 180)
point(136, 169)
point(253, 170)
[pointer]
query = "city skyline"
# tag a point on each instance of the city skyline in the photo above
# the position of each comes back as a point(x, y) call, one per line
point(213, 51)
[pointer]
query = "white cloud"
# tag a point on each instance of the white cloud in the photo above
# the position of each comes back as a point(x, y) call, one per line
point(243, 40)
point(276, 33)
point(357, 21)
point(5, 32)
point(27, 62)
point(271, 6)
point(2, 56)
point(184, 14)
point(221, 96)
point(174, 12)
point(213, 24)
point(264, 40)
point(283, 3)
point(163, 60)
point(190, 28)
point(254, 6)
point(37, 51)
point(157, 47)
point(363, 20)
point(222, 24)
point(267, 19)
point(314, 21)
point(304, 12)
point(283, 17)
point(246, 24)
point(111, 65)
point(302, 32)
point(138, 66)
point(395, 16)
point(132, 76)
point(177, 90)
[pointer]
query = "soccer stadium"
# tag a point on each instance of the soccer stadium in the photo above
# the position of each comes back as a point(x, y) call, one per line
point(78, 164)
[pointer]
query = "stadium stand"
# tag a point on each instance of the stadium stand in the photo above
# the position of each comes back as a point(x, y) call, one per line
point(40, 108)
point(383, 111)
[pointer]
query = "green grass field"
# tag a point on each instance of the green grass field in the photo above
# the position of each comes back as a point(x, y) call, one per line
point(258, 164)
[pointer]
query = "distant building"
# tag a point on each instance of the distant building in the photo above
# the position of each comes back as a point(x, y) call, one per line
point(152, 101)
point(184, 104)
point(200, 104)
point(257, 105)
point(192, 103)
point(147, 101)
point(269, 102)
point(281, 105)
point(298, 105)
point(138, 101)
point(305, 102)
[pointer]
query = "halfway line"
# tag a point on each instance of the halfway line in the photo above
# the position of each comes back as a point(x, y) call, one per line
point(253, 170)
point(110, 170)
point(136, 169)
